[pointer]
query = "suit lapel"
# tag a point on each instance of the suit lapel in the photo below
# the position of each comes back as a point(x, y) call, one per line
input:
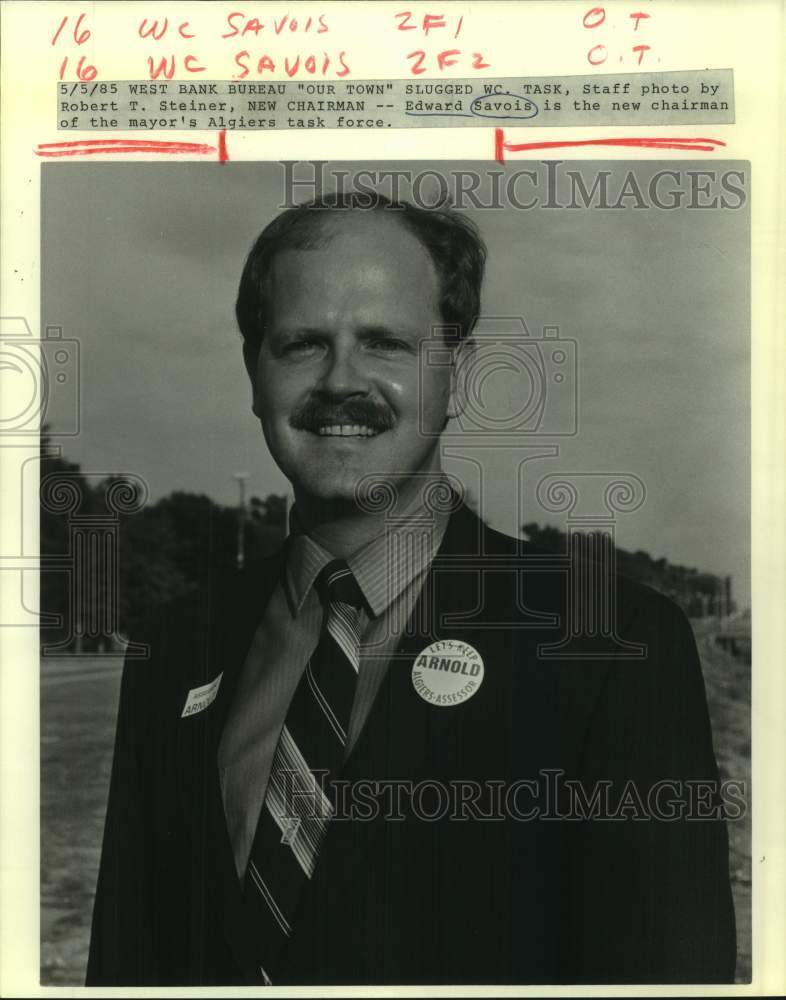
point(228, 633)
point(454, 588)
point(495, 594)
point(222, 641)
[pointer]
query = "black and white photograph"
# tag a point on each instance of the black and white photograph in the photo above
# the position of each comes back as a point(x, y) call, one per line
point(395, 530)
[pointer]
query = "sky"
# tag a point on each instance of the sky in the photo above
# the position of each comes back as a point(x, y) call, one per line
point(141, 261)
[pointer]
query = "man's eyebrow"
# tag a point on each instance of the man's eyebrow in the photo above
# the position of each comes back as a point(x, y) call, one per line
point(293, 331)
point(365, 332)
point(290, 332)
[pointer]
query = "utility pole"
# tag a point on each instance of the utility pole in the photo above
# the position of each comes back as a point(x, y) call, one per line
point(241, 478)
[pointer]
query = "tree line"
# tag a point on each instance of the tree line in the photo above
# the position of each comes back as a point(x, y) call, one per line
point(155, 554)
point(698, 593)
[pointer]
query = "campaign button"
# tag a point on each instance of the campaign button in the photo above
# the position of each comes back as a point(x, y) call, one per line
point(447, 672)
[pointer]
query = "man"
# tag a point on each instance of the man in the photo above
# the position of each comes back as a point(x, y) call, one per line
point(365, 760)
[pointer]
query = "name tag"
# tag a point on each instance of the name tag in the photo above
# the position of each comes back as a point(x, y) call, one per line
point(200, 698)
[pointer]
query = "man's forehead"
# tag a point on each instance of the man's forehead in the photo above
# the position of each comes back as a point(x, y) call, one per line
point(353, 227)
point(362, 253)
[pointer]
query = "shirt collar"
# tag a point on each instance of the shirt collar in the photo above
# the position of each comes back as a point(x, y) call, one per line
point(383, 567)
point(305, 560)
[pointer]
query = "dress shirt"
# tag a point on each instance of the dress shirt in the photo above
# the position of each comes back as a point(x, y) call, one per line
point(390, 570)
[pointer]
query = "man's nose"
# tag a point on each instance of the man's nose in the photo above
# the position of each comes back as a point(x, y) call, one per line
point(343, 374)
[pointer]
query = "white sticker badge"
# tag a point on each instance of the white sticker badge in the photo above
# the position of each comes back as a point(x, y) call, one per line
point(447, 672)
point(199, 698)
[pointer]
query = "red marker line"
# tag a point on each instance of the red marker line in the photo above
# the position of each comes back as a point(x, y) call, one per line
point(501, 146)
point(119, 149)
point(90, 147)
point(223, 154)
point(114, 142)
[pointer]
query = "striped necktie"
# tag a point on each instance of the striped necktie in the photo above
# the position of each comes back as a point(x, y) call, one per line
point(309, 754)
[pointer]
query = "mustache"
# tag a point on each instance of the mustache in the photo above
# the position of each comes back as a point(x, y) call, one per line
point(316, 413)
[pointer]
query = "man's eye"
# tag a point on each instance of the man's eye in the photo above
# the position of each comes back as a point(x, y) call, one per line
point(299, 347)
point(389, 344)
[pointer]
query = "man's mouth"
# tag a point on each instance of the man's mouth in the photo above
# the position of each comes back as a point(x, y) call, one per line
point(349, 418)
point(346, 430)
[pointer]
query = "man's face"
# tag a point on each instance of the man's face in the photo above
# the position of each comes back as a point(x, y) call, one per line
point(338, 385)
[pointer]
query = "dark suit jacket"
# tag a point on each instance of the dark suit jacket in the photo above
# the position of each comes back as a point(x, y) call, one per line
point(451, 900)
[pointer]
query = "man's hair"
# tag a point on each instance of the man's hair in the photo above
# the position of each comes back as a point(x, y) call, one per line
point(452, 240)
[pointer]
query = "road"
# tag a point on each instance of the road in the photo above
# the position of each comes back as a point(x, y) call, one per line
point(78, 709)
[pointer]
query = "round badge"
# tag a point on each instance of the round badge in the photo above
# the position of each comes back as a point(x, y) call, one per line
point(447, 672)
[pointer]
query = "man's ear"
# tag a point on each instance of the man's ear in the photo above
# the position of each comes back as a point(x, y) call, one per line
point(461, 374)
point(250, 360)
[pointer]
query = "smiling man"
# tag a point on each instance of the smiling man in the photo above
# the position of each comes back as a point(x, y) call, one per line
point(367, 760)
point(348, 299)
